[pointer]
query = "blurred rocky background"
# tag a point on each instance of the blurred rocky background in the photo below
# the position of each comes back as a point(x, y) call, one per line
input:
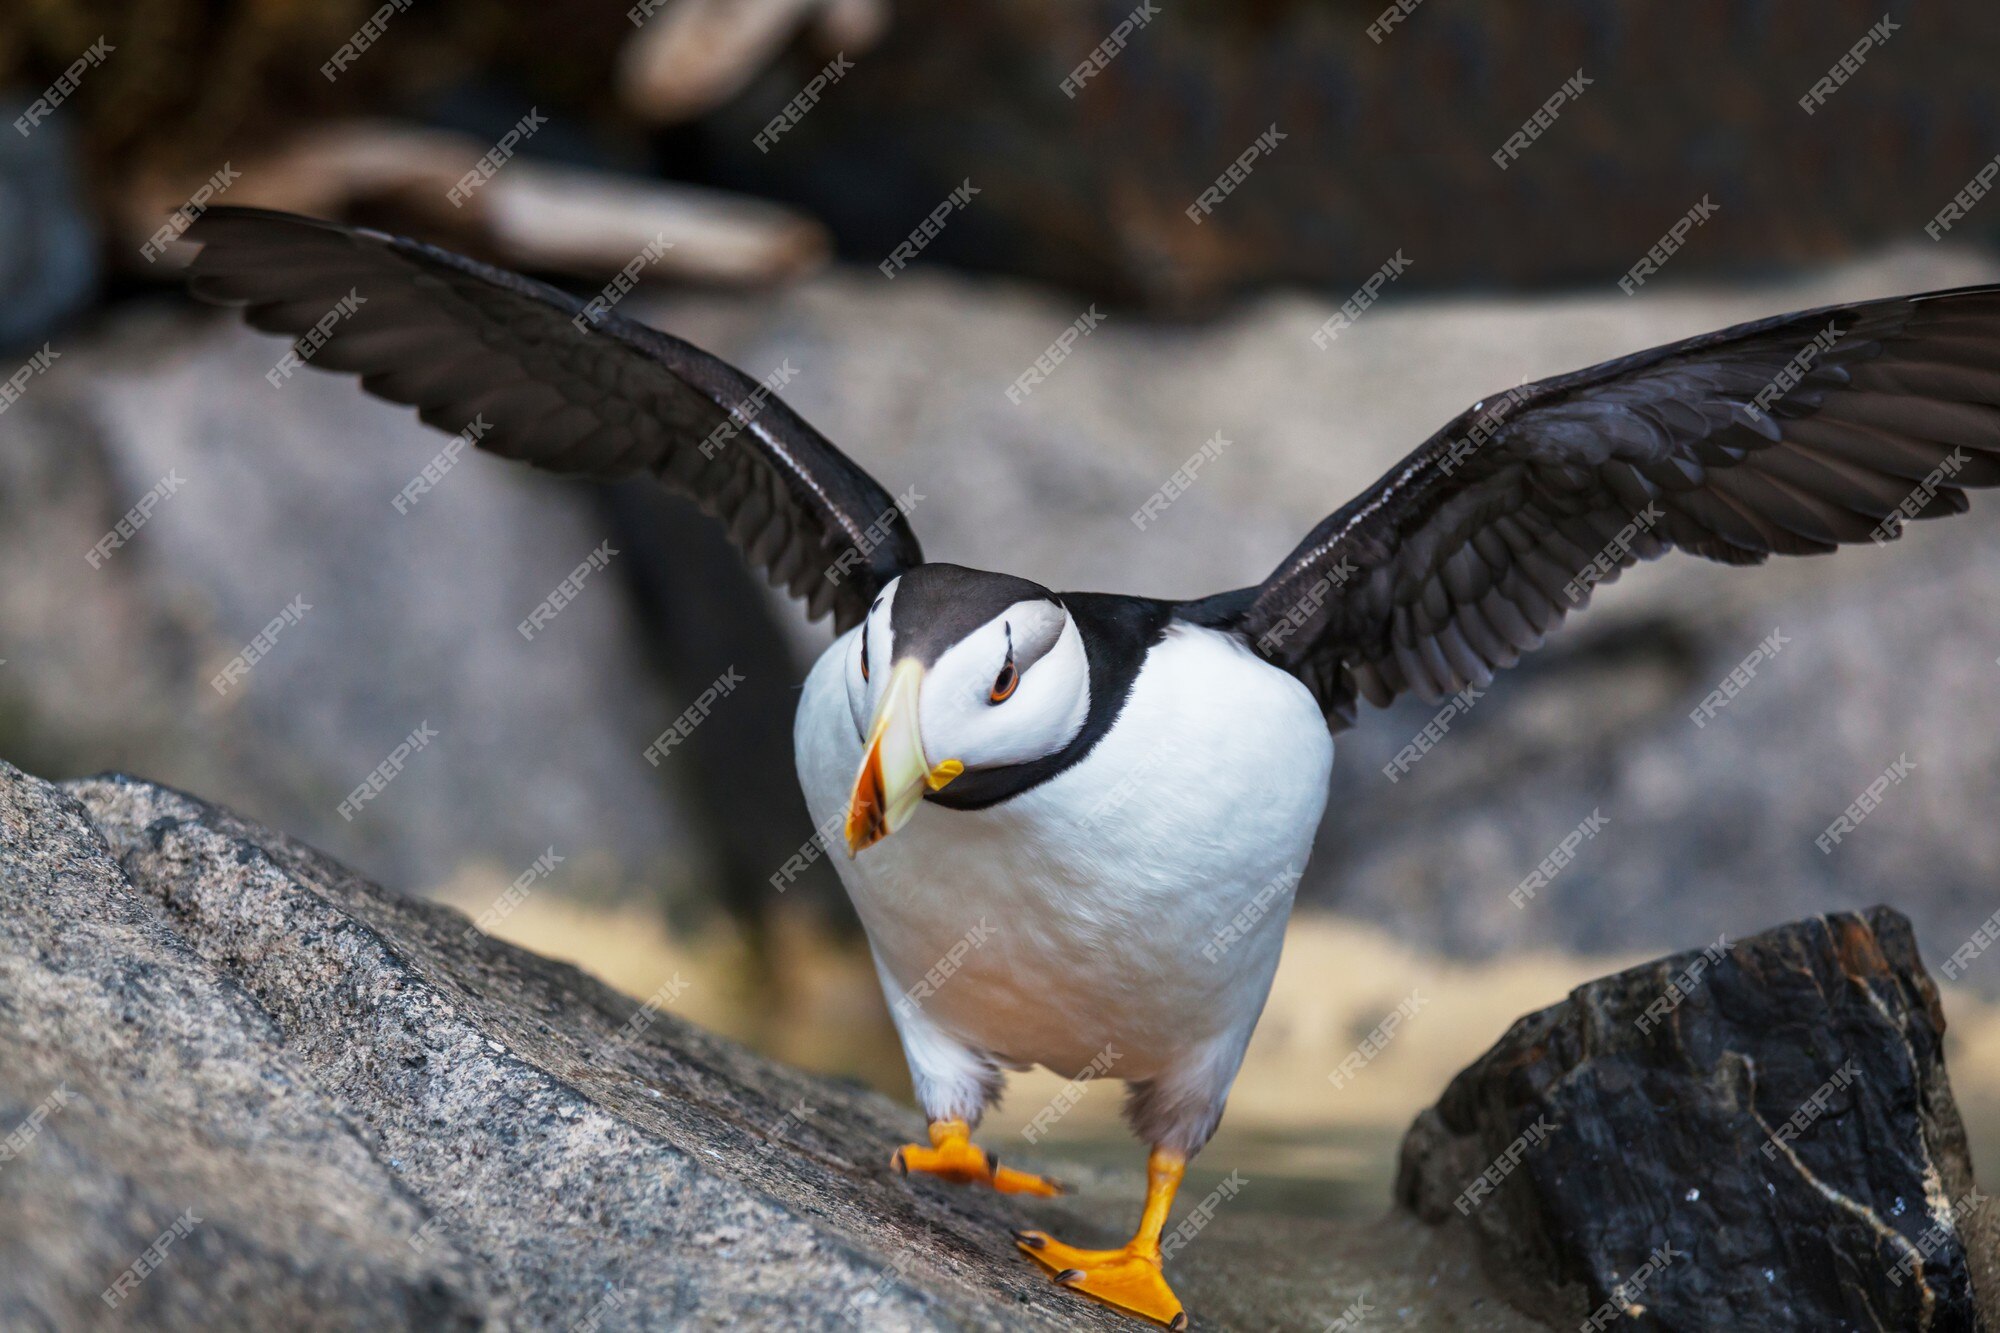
point(270, 495)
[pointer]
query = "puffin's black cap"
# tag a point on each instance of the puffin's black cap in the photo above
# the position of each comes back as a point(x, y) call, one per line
point(937, 605)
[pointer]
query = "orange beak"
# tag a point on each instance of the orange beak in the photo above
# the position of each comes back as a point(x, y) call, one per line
point(894, 774)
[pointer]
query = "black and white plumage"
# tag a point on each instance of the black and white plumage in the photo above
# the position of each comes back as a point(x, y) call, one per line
point(1114, 779)
point(1787, 436)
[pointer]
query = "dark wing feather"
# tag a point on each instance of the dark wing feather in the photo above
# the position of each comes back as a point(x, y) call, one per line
point(1789, 435)
point(607, 398)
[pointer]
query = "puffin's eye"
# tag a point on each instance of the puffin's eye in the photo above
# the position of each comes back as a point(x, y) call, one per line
point(864, 650)
point(1004, 683)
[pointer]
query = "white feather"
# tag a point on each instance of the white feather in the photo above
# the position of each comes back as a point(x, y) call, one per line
point(1082, 916)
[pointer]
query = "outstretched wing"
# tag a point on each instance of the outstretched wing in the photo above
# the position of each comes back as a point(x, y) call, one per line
point(539, 375)
point(1789, 435)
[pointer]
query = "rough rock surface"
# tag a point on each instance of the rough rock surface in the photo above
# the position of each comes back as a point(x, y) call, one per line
point(241, 1087)
point(366, 1115)
point(1756, 1136)
point(378, 1113)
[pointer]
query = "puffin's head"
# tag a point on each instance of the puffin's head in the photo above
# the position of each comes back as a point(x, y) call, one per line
point(956, 669)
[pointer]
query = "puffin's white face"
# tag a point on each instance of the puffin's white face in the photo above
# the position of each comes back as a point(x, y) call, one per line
point(956, 694)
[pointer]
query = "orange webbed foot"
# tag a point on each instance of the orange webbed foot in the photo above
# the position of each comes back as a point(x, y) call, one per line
point(1129, 1277)
point(955, 1157)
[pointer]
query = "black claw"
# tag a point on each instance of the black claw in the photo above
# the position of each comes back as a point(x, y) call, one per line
point(1180, 1323)
point(1067, 1276)
point(902, 1167)
point(993, 1164)
point(1031, 1240)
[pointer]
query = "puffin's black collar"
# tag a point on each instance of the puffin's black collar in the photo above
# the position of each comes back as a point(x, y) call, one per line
point(1117, 633)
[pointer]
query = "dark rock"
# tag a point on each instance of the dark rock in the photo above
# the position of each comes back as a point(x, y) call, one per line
point(48, 238)
point(1753, 1136)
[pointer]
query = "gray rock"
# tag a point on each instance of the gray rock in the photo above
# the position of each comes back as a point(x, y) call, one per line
point(369, 1116)
point(138, 1088)
point(286, 492)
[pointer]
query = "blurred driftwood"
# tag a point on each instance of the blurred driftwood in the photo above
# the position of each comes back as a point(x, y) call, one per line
point(693, 55)
point(529, 214)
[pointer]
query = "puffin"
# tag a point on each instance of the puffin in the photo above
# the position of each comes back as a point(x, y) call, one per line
point(1075, 821)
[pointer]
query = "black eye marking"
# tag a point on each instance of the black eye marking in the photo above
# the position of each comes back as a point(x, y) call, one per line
point(1004, 683)
point(864, 650)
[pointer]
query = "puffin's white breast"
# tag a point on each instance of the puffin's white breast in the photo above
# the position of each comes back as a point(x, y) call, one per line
point(1085, 912)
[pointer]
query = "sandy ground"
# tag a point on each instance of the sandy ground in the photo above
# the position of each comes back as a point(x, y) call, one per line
point(1328, 1087)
